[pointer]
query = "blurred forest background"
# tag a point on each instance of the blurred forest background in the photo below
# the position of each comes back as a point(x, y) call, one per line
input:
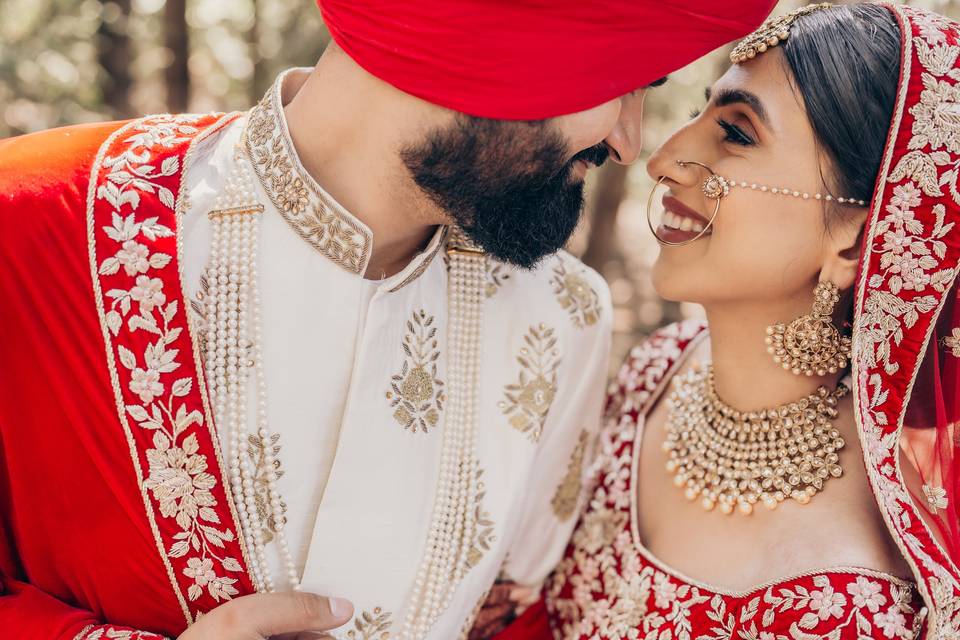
point(71, 61)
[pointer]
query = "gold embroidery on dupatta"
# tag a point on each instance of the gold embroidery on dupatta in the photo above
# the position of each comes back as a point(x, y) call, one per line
point(372, 625)
point(575, 294)
point(528, 400)
point(302, 204)
point(910, 286)
point(952, 342)
point(416, 393)
point(178, 480)
point(565, 499)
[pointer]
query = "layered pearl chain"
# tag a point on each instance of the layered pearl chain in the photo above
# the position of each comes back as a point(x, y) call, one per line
point(727, 183)
point(453, 524)
point(233, 349)
point(735, 459)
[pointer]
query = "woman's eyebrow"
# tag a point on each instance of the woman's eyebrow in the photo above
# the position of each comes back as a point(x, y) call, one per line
point(725, 97)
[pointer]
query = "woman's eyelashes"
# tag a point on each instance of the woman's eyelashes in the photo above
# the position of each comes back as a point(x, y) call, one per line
point(735, 134)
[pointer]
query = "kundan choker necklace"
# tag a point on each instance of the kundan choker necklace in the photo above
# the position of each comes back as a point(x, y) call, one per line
point(732, 459)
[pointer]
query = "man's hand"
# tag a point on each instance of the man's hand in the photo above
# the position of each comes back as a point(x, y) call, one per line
point(292, 616)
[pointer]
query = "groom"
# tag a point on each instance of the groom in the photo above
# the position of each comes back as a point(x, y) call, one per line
point(329, 345)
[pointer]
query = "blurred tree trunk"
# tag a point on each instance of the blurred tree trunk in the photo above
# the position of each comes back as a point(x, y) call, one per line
point(114, 54)
point(177, 42)
point(260, 81)
point(610, 190)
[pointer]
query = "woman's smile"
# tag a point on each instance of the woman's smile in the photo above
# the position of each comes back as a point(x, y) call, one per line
point(680, 223)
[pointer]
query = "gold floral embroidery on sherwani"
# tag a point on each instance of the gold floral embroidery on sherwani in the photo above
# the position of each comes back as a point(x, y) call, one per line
point(371, 625)
point(575, 294)
point(308, 209)
point(497, 274)
point(484, 537)
point(257, 452)
point(565, 500)
point(527, 401)
point(416, 393)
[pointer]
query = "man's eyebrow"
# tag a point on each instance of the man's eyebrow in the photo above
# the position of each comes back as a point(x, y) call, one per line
point(725, 97)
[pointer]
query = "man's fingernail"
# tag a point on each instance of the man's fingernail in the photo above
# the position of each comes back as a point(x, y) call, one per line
point(340, 608)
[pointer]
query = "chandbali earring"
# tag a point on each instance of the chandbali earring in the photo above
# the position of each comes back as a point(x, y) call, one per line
point(811, 344)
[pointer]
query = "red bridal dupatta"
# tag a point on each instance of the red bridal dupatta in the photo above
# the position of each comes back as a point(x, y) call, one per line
point(906, 334)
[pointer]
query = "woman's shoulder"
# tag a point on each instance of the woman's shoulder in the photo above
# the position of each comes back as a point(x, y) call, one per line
point(649, 362)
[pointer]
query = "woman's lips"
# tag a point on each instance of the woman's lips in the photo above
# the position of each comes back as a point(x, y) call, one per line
point(680, 223)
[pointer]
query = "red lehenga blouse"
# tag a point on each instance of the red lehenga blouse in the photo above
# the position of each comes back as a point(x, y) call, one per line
point(905, 382)
point(610, 586)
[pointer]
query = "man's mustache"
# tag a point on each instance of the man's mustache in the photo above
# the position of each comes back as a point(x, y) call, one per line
point(595, 155)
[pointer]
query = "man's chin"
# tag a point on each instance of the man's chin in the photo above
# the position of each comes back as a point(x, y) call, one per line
point(523, 256)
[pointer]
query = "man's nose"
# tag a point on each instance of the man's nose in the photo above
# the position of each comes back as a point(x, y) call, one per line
point(626, 139)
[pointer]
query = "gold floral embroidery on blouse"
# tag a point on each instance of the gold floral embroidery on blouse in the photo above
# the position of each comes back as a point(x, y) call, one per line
point(936, 497)
point(416, 393)
point(484, 536)
point(575, 294)
point(565, 500)
point(305, 207)
point(527, 401)
point(371, 625)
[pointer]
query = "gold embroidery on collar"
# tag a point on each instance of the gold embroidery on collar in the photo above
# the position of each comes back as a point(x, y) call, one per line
point(426, 258)
point(484, 534)
point(575, 295)
point(302, 204)
point(371, 625)
point(528, 400)
point(416, 392)
point(565, 500)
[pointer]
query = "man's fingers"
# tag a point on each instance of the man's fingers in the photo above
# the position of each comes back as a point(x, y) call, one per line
point(293, 612)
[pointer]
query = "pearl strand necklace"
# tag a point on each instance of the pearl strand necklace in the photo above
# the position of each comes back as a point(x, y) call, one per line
point(453, 524)
point(232, 350)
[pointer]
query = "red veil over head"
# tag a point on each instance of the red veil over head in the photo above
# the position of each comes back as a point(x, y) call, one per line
point(531, 59)
point(906, 337)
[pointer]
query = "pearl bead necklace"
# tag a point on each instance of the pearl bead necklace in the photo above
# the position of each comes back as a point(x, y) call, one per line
point(453, 524)
point(233, 348)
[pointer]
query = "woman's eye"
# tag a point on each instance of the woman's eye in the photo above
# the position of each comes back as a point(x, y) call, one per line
point(735, 134)
point(694, 113)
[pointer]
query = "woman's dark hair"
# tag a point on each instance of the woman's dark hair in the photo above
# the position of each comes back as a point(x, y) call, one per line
point(845, 64)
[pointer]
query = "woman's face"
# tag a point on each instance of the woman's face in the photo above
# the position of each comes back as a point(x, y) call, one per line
point(761, 246)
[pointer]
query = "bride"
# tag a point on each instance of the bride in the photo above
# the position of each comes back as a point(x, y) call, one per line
point(786, 470)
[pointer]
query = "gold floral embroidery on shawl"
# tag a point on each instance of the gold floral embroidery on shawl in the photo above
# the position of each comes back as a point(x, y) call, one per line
point(952, 342)
point(177, 477)
point(416, 393)
point(371, 625)
point(936, 497)
point(305, 207)
point(564, 501)
point(110, 632)
point(575, 294)
point(527, 401)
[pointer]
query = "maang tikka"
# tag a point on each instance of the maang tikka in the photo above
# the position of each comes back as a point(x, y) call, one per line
point(811, 344)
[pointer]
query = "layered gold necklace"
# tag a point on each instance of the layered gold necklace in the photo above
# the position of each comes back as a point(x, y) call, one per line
point(732, 459)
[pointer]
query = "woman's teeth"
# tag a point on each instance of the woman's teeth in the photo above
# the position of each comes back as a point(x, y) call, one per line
point(681, 223)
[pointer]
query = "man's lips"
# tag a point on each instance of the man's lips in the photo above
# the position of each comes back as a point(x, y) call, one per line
point(679, 217)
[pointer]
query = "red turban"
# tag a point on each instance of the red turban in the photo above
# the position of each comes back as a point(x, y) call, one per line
point(532, 59)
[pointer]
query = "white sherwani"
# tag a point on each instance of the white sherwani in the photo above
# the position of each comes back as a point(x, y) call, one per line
point(357, 375)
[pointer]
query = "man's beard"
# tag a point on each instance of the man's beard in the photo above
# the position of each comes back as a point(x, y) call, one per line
point(508, 185)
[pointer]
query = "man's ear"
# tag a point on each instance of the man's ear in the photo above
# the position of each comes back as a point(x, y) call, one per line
point(842, 248)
